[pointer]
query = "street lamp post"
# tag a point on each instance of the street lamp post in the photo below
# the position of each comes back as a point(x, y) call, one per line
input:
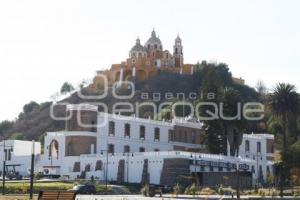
point(32, 170)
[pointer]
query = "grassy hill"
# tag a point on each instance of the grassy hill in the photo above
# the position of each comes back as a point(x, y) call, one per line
point(35, 118)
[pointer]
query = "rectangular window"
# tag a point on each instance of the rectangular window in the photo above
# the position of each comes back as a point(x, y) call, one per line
point(258, 147)
point(126, 149)
point(111, 128)
point(142, 132)
point(111, 148)
point(247, 146)
point(171, 136)
point(157, 134)
point(76, 167)
point(142, 149)
point(7, 154)
point(127, 130)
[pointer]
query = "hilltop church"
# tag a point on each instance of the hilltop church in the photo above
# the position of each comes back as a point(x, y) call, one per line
point(146, 60)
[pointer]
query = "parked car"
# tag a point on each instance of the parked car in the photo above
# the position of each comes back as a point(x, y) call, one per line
point(158, 189)
point(84, 189)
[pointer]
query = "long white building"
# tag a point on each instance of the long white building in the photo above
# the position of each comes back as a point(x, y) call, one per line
point(130, 149)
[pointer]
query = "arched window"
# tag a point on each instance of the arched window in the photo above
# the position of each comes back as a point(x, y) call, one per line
point(99, 165)
point(87, 168)
point(155, 46)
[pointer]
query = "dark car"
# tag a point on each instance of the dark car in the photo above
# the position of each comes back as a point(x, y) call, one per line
point(158, 189)
point(84, 189)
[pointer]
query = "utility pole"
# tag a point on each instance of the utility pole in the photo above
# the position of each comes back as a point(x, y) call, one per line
point(32, 170)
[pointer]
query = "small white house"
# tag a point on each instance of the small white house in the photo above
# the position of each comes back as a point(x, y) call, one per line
point(17, 154)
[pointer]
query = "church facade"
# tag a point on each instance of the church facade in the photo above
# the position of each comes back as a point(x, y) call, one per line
point(146, 60)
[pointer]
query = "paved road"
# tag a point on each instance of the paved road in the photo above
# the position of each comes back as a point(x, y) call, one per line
point(140, 197)
point(169, 197)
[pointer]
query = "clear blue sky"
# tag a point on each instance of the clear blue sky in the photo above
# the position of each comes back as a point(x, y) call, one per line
point(44, 43)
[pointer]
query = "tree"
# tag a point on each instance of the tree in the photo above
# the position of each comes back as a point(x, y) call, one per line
point(283, 102)
point(5, 126)
point(293, 155)
point(233, 128)
point(229, 126)
point(261, 89)
point(66, 88)
point(17, 136)
point(31, 106)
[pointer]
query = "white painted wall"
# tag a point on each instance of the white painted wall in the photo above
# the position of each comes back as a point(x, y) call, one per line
point(20, 155)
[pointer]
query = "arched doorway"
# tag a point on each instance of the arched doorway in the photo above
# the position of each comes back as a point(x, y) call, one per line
point(53, 149)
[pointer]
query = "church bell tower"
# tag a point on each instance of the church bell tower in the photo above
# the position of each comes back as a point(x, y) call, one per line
point(178, 52)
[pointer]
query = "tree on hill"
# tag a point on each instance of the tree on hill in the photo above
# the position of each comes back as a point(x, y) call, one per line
point(17, 136)
point(5, 126)
point(66, 88)
point(293, 163)
point(28, 108)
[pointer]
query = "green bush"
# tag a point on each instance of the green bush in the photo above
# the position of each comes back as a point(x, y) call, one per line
point(221, 190)
point(23, 188)
point(191, 190)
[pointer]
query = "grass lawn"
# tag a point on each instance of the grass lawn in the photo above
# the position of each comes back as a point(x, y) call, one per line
point(17, 197)
point(23, 187)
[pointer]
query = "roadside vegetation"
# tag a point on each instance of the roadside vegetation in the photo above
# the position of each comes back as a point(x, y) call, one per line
point(23, 187)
